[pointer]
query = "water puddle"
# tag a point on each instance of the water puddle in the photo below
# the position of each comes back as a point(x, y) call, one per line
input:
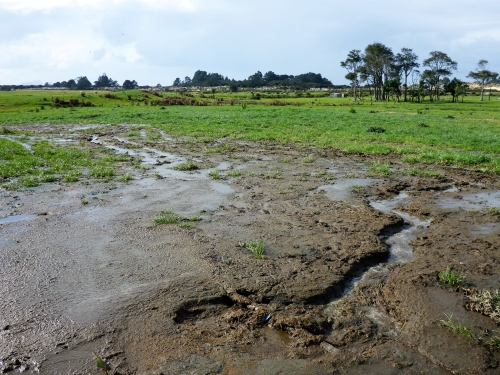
point(484, 229)
point(15, 218)
point(341, 189)
point(472, 201)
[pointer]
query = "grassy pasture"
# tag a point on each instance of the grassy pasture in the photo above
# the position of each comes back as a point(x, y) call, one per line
point(431, 132)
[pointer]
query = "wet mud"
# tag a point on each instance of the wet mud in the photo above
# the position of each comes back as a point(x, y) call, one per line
point(348, 283)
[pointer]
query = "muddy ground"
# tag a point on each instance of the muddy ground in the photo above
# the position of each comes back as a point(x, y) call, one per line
point(170, 299)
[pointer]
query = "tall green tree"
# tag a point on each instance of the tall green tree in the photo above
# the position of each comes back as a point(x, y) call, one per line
point(353, 65)
point(129, 85)
point(441, 66)
point(377, 67)
point(105, 81)
point(483, 76)
point(83, 83)
point(407, 62)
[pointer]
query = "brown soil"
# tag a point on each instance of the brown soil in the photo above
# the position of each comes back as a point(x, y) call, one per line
point(162, 299)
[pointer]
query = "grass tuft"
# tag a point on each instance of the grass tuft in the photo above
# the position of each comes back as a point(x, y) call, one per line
point(187, 166)
point(168, 217)
point(126, 177)
point(449, 276)
point(256, 247)
point(214, 174)
point(457, 327)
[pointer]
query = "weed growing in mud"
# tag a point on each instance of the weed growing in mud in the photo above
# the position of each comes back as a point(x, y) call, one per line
point(287, 160)
point(256, 247)
point(357, 186)
point(102, 172)
point(214, 174)
point(309, 159)
point(234, 173)
point(133, 134)
point(379, 169)
point(72, 176)
point(457, 327)
point(126, 177)
point(350, 175)
point(168, 217)
point(494, 342)
point(186, 225)
point(101, 364)
point(251, 173)
point(187, 166)
point(137, 163)
point(84, 201)
point(449, 276)
point(277, 175)
point(494, 210)
point(47, 178)
point(326, 175)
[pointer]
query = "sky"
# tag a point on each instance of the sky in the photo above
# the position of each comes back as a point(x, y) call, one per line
point(155, 41)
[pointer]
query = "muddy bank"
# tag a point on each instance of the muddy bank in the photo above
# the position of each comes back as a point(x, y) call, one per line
point(190, 299)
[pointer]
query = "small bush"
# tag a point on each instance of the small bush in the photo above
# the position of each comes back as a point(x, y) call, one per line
point(375, 129)
point(423, 125)
point(352, 110)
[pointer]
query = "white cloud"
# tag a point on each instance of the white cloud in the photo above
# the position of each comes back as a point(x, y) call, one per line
point(56, 51)
point(26, 6)
point(477, 36)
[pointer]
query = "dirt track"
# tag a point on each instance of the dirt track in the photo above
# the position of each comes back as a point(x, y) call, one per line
point(155, 299)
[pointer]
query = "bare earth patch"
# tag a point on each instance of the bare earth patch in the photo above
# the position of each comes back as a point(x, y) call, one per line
point(185, 297)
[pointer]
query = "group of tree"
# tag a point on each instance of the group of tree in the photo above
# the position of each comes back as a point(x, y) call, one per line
point(83, 83)
point(203, 79)
point(386, 73)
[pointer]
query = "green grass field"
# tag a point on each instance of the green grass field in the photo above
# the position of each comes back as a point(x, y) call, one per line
point(466, 134)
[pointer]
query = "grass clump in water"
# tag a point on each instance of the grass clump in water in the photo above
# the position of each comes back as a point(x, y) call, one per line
point(214, 174)
point(256, 247)
point(449, 276)
point(187, 166)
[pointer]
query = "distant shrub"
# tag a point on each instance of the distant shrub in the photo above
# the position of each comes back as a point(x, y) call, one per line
point(375, 129)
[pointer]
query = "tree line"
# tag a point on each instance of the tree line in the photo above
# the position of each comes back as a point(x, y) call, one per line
point(385, 72)
point(203, 79)
point(81, 83)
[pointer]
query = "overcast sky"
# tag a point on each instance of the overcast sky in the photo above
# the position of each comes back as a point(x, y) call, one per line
point(155, 41)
